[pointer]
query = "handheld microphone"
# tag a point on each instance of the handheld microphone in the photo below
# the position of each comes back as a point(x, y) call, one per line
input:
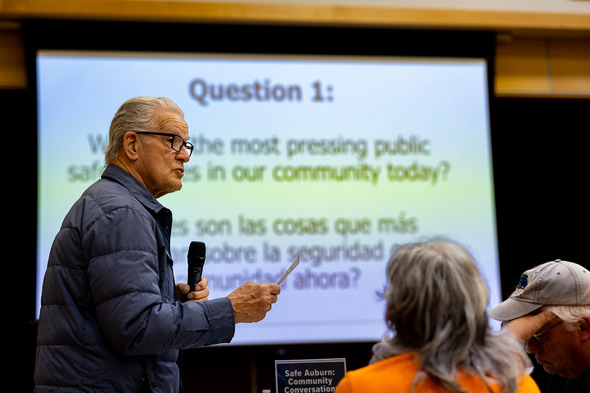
point(196, 260)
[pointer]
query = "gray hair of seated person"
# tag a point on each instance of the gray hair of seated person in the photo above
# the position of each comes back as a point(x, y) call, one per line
point(436, 309)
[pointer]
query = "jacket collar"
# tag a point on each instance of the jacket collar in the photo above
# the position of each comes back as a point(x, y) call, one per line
point(121, 176)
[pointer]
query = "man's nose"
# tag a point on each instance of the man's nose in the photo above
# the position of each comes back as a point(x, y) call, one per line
point(184, 154)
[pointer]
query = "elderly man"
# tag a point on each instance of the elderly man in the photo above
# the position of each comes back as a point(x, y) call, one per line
point(110, 318)
point(550, 312)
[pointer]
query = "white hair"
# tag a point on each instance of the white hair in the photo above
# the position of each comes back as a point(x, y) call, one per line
point(570, 315)
point(135, 114)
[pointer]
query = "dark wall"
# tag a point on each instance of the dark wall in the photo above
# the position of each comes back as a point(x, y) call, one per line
point(540, 148)
point(18, 329)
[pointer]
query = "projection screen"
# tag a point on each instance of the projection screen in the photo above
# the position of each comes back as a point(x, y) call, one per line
point(334, 159)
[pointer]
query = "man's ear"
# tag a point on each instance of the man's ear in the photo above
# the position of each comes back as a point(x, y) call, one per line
point(585, 328)
point(130, 145)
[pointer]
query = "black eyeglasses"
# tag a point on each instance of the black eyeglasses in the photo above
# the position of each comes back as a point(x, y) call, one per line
point(177, 143)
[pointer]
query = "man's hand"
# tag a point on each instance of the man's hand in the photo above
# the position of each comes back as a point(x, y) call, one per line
point(200, 295)
point(525, 327)
point(252, 301)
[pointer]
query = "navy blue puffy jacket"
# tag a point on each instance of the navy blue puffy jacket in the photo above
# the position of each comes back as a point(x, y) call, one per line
point(109, 318)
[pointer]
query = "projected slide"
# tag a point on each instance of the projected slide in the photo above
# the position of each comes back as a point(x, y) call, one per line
point(336, 160)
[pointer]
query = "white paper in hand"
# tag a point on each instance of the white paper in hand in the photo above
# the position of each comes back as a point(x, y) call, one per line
point(289, 270)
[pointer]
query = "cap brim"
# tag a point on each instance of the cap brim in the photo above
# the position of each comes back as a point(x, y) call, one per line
point(511, 309)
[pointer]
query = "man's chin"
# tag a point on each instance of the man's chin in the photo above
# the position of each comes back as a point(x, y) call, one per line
point(549, 370)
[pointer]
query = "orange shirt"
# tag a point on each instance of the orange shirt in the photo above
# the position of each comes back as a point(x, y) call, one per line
point(396, 374)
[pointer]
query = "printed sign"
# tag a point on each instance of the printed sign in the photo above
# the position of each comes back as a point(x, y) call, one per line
point(309, 375)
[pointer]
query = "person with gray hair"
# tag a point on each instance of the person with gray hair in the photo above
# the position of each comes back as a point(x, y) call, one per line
point(112, 319)
point(549, 311)
point(439, 338)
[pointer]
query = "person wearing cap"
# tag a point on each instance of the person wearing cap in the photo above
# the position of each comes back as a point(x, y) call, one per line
point(549, 311)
